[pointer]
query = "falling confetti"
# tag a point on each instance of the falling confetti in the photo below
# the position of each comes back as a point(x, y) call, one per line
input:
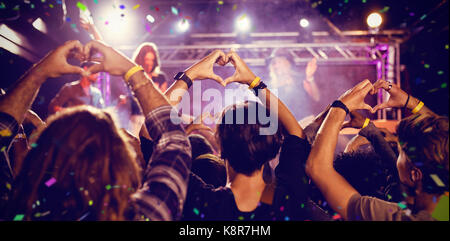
point(108, 187)
point(196, 211)
point(5, 132)
point(81, 6)
point(136, 6)
point(122, 6)
point(174, 10)
point(234, 7)
point(19, 217)
point(50, 182)
point(220, 2)
point(437, 180)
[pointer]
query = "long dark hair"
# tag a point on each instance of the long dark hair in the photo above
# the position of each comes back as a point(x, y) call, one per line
point(139, 57)
point(80, 166)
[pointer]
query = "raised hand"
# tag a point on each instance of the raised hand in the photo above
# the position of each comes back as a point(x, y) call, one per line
point(354, 97)
point(356, 121)
point(55, 63)
point(397, 98)
point(204, 68)
point(243, 74)
point(311, 68)
point(111, 61)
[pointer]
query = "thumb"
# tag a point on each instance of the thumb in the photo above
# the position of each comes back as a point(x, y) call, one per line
point(380, 106)
point(218, 79)
point(95, 68)
point(70, 69)
point(230, 79)
point(367, 107)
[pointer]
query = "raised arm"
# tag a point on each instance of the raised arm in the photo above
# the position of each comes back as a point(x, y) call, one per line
point(244, 75)
point(201, 70)
point(163, 193)
point(319, 167)
point(20, 97)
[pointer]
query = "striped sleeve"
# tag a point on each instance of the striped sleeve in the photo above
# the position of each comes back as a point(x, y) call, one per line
point(163, 193)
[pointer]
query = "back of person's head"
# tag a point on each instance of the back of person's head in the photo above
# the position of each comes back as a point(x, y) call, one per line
point(241, 142)
point(139, 56)
point(365, 171)
point(206, 165)
point(199, 145)
point(424, 139)
point(81, 167)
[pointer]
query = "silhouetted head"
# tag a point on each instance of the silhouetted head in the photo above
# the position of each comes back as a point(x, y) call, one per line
point(80, 166)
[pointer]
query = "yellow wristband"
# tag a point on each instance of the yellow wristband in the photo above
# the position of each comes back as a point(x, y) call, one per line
point(255, 82)
point(132, 71)
point(418, 107)
point(366, 123)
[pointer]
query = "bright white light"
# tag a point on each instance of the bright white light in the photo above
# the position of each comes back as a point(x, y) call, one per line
point(183, 25)
point(150, 18)
point(374, 20)
point(243, 23)
point(304, 22)
point(40, 25)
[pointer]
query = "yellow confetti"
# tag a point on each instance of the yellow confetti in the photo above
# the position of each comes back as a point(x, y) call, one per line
point(5, 132)
point(136, 6)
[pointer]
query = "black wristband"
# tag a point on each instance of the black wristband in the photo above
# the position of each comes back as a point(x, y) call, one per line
point(339, 104)
point(184, 77)
point(261, 86)
point(406, 104)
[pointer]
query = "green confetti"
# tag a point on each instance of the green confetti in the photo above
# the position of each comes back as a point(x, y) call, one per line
point(446, 46)
point(81, 6)
point(196, 211)
point(330, 10)
point(108, 187)
point(364, 1)
point(444, 85)
point(19, 217)
point(241, 218)
point(96, 1)
point(91, 202)
point(427, 66)
point(385, 9)
point(401, 205)
point(440, 72)
point(423, 17)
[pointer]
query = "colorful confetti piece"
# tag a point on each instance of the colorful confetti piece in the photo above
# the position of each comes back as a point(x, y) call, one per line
point(437, 180)
point(81, 6)
point(19, 217)
point(196, 211)
point(174, 10)
point(136, 6)
point(50, 182)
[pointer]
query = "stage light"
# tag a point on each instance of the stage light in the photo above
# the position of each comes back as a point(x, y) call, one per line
point(374, 20)
point(183, 25)
point(243, 23)
point(304, 23)
point(40, 25)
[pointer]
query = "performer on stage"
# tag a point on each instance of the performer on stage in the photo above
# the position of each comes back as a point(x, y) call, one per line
point(80, 92)
point(147, 56)
point(299, 91)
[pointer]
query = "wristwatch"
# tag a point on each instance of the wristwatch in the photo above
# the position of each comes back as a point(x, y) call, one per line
point(184, 77)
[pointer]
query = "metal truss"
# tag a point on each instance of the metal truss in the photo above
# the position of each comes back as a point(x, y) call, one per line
point(256, 54)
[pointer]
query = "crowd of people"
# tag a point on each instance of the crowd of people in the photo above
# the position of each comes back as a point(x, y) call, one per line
point(79, 164)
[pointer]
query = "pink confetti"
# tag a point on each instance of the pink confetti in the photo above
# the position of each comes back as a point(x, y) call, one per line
point(50, 182)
